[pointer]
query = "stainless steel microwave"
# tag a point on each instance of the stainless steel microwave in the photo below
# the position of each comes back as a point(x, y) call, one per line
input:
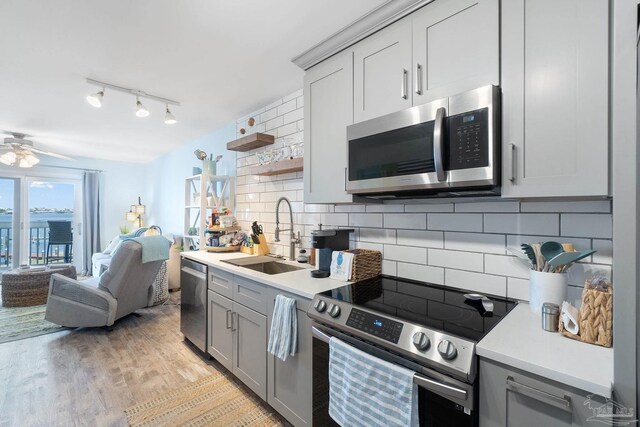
point(448, 147)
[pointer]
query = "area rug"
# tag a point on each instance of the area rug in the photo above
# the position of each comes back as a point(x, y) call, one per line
point(17, 323)
point(211, 401)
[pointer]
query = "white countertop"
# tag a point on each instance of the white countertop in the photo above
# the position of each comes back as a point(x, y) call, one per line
point(297, 282)
point(519, 341)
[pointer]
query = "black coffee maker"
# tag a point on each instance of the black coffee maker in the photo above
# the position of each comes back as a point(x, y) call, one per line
point(325, 242)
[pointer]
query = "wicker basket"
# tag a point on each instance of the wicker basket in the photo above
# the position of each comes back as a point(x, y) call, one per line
point(595, 318)
point(366, 264)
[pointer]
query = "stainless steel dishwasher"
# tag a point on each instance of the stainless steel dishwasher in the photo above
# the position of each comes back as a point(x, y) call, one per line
point(193, 302)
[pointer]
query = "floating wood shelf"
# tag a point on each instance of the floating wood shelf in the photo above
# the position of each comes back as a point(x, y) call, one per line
point(250, 142)
point(283, 166)
point(224, 229)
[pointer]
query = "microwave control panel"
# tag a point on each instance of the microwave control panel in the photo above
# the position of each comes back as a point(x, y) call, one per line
point(468, 140)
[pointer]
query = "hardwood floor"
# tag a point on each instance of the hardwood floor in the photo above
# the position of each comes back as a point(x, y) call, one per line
point(87, 377)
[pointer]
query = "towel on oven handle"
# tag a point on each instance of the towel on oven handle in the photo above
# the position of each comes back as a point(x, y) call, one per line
point(283, 335)
point(365, 391)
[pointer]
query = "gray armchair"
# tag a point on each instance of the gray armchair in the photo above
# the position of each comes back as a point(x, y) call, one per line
point(126, 286)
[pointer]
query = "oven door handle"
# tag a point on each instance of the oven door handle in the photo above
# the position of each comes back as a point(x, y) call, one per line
point(418, 379)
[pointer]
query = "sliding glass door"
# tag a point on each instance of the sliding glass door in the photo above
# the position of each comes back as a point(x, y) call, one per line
point(40, 221)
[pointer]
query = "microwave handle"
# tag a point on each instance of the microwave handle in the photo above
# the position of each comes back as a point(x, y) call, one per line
point(438, 135)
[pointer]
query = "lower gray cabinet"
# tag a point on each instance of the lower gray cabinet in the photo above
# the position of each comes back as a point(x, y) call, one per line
point(250, 348)
point(290, 388)
point(511, 397)
point(220, 334)
point(237, 338)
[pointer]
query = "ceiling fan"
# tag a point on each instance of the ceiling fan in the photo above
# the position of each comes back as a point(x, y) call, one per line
point(20, 151)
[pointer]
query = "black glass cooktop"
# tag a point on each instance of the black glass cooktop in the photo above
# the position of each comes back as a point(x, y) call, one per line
point(437, 307)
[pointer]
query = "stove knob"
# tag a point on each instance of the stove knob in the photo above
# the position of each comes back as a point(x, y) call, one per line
point(334, 310)
point(421, 341)
point(320, 305)
point(447, 350)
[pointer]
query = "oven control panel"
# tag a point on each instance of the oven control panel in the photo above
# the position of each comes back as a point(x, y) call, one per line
point(378, 326)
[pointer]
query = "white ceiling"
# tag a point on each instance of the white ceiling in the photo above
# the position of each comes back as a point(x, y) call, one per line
point(220, 59)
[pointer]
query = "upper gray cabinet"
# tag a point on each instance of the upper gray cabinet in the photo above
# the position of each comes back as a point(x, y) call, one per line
point(328, 110)
point(555, 98)
point(382, 72)
point(456, 47)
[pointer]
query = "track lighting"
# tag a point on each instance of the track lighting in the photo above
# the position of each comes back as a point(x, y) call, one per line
point(141, 111)
point(169, 118)
point(95, 100)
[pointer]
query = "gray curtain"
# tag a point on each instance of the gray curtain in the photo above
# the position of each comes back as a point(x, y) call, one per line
point(91, 218)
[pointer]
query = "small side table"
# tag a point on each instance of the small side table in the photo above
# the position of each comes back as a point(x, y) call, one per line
point(28, 288)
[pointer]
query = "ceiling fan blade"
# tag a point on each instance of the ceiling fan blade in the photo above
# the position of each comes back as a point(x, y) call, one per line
point(48, 153)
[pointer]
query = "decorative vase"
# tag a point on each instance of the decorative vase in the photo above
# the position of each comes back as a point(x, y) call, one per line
point(208, 167)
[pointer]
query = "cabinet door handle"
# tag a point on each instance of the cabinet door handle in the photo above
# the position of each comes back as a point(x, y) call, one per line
point(437, 144)
point(228, 313)
point(418, 79)
point(563, 403)
point(513, 163)
point(345, 179)
point(234, 319)
point(403, 86)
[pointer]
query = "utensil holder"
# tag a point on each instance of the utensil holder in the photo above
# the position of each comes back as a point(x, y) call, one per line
point(208, 167)
point(546, 287)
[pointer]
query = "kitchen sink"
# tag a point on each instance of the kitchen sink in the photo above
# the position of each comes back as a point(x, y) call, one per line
point(263, 264)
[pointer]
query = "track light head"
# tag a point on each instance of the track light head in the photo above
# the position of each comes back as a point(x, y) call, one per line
point(95, 99)
point(169, 118)
point(141, 111)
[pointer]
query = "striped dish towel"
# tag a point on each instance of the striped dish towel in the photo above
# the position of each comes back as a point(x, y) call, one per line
point(365, 391)
point(283, 336)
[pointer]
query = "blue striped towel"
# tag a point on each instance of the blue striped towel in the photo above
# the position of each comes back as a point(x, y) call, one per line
point(365, 391)
point(283, 336)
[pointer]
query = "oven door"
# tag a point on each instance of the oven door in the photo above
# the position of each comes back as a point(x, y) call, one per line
point(398, 152)
point(442, 400)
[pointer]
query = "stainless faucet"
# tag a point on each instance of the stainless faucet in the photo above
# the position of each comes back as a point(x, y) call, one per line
point(294, 240)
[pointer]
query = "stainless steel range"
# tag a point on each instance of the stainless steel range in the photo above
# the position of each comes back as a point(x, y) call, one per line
point(430, 329)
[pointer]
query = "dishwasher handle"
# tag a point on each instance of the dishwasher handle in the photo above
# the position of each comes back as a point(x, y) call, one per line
point(190, 271)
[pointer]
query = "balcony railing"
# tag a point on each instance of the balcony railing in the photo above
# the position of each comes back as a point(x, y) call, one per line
point(38, 241)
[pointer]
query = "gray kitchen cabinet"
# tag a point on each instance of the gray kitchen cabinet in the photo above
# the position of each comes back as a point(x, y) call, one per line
point(328, 110)
point(219, 333)
point(509, 397)
point(555, 98)
point(237, 335)
point(456, 48)
point(290, 383)
point(250, 349)
point(382, 72)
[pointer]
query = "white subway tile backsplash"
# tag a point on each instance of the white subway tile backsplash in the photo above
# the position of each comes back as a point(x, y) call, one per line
point(414, 221)
point(433, 207)
point(488, 207)
point(518, 288)
point(604, 254)
point(478, 282)
point(377, 235)
point(453, 259)
point(587, 225)
point(423, 273)
point(603, 206)
point(475, 242)
point(335, 219)
point(426, 239)
point(454, 222)
point(545, 224)
point(457, 243)
point(506, 266)
point(405, 254)
point(365, 220)
point(384, 208)
point(349, 208)
point(390, 268)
